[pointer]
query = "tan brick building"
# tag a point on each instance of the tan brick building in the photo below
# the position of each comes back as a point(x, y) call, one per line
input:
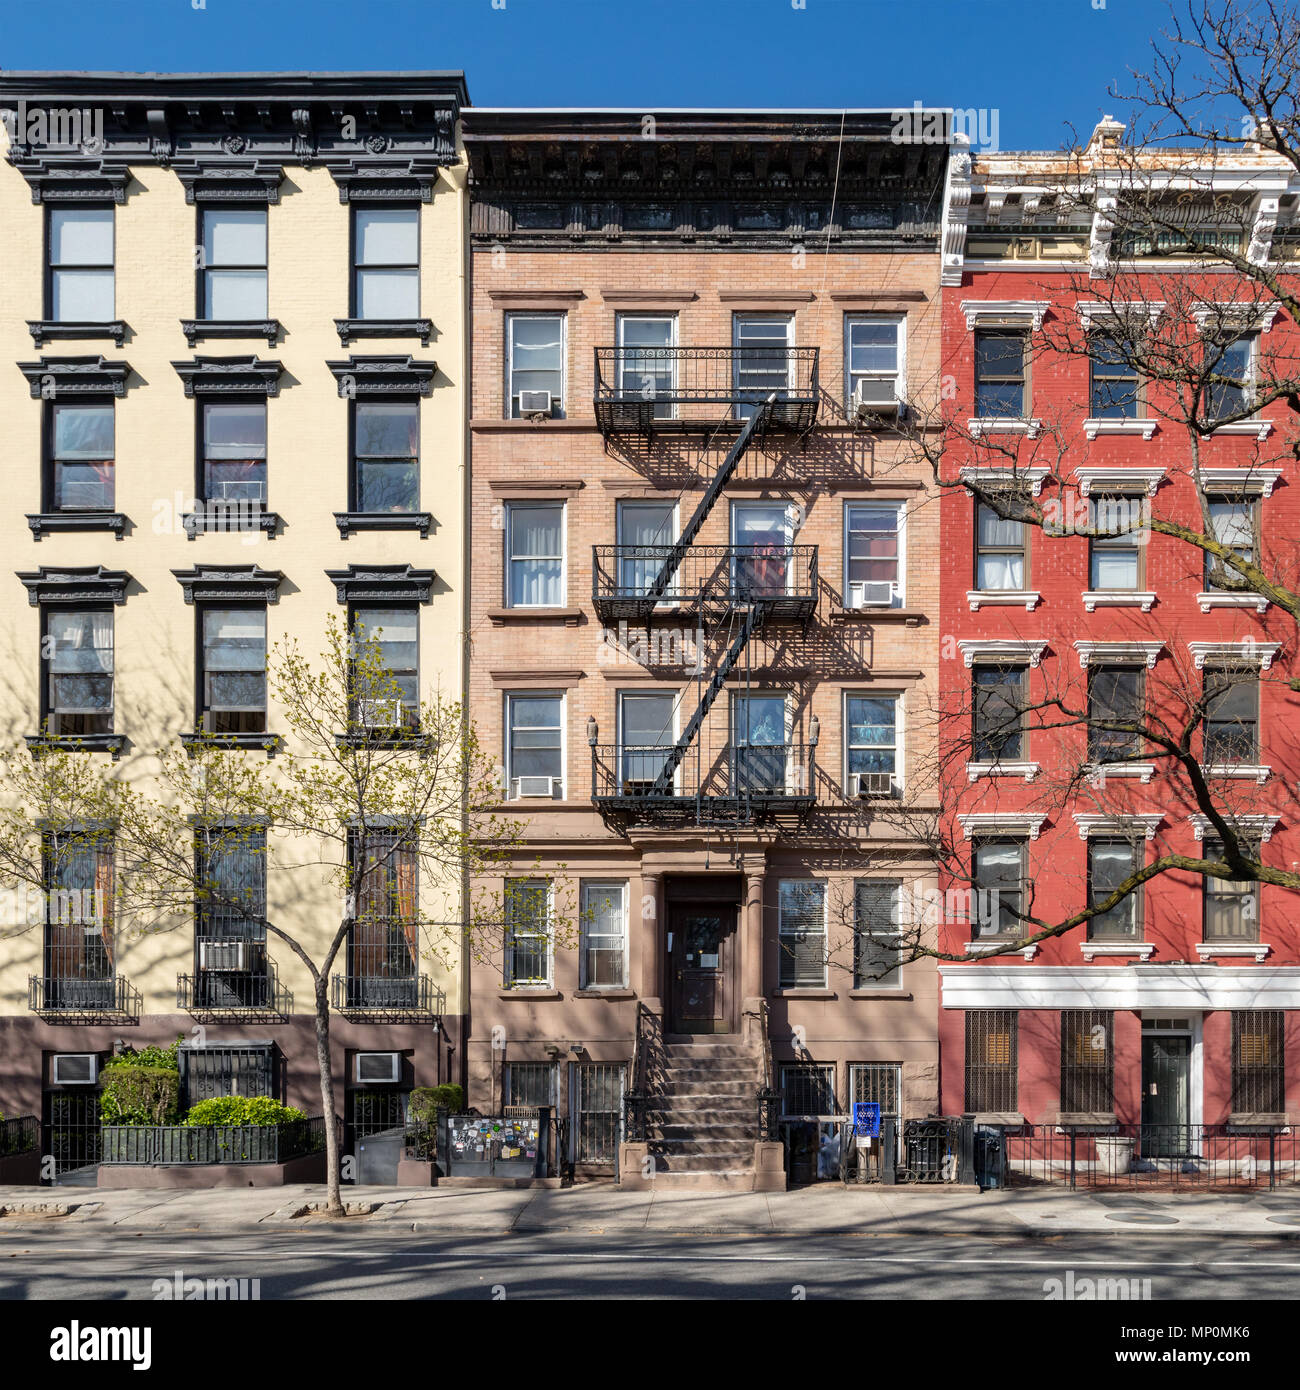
point(702, 633)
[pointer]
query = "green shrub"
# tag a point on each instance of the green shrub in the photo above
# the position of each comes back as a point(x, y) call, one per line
point(164, 1057)
point(242, 1110)
point(139, 1095)
point(426, 1100)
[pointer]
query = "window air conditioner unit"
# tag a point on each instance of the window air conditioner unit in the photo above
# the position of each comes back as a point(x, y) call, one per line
point(223, 956)
point(876, 397)
point(864, 786)
point(74, 1069)
point(536, 786)
point(534, 403)
point(377, 1068)
point(380, 714)
point(871, 593)
point(233, 490)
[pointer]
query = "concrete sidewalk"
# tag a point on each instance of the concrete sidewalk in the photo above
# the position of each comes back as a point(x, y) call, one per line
point(604, 1208)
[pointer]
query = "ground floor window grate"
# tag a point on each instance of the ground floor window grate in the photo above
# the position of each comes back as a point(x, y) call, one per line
point(991, 1060)
point(207, 1072)
point(1258, 1062)
point(530, 1084)
point(1087, 1061)
point(881, 1082)
point(597, 1103)
point(808, 1088)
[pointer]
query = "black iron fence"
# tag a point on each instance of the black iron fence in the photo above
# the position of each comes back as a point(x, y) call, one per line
point(19, 1135)
point(207, 1144)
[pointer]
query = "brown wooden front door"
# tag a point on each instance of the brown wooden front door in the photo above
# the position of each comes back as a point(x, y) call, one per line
point(700, 965)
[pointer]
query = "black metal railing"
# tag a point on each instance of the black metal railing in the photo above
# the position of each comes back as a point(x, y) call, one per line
point(79, 999)
point(19, 1135)
point(389, 997)
point(216, 994)
point(654, 389)
point(940, 1149)
point(709, 580)
point(736, 783)
point(209, 1144)
point(770, 1099)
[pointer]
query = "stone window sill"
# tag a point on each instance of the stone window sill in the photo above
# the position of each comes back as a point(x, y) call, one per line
point(1012, 598)
point(1141, 949)
point(1093, 427)
point(1228, 599)
point(529, 992)
point(197, 330)
point(911, 616)
point(48, 330)
point(1117, 598)
point(1256, 950)
point(270, 744)
point(42, 523)
point(228, 519)
point(1027, 771)
point(569, 616)
point(350, 329)
point(347, 522)
point(795, 993)
point(604, 994)
point(1255, 772)
point(901, 994)
point(83, 743)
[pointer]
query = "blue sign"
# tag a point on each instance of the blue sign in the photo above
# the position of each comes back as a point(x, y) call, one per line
point(866, 1119)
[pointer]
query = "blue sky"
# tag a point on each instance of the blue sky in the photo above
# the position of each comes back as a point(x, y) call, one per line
point(1041, 65)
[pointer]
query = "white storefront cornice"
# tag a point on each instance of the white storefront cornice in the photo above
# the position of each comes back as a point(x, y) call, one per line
point(1030, 312)
point(1009, 650)
point(1144, 653)
point(1191, 987)
point(1247, 652)
point(1091, 823)
point(1260, 826)
point(1001, 823)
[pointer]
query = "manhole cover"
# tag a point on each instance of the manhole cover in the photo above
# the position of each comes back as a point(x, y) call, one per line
point(1144, 1218)
point(1284, 1220)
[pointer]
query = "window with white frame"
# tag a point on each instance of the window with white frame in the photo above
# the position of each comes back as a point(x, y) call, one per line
point(762, 363)
point(802, 933)
point(873, 359)
point(233, 275)
point(1234, 523)
point(645, 530)
point(80, 241)
point(386, 272)
point(1231, 905)
point(871, 744)
point(1000, 549)
point(535, 554)
point(535, 365)
point(873, 555)
point(1116, 542)
point(603, 945)
point(535, 744)
point(999, 875)
point(647, 368)
point(877, 933)
point(1231, 360)
point(528, 933)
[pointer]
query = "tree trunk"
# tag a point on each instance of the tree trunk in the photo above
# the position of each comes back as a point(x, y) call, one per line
point(333, 1199)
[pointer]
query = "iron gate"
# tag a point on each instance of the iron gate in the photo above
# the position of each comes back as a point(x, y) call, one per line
point(596, 1101)
point(71, 1134)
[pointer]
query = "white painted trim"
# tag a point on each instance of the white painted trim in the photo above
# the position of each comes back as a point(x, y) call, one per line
point(989, 947)
point(1259, 429)
point(979, 425)
point(1185, 988)
point(1143, 653)
point(1001, 823)
point(1118, 479)
point(1098, 772)
point(1117, 598)
point(1027, 770)
point(1141, 949)
point(1208, 950)
point(1011, 598)
point(1091, 311)
point(1092, 823)
point(1219, 598)
point(1256, 772)
point(1247, 652)
point(1146, 427)
point(1261, 825)
point(1030, 312)
point(1252, 481)
point(1243, 315)
point(1033, 476)
point(1001, 649)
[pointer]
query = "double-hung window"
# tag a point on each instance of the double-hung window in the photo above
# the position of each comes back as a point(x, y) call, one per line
point(527, 933)
point(1114, 378)
point(603, 963)
point(873, 356)
point(80, 241)
point(77, 651)
point(386, 672)
point(1231, 905)
point(386, 267)
point(1234, 523)
point(81, 469)
point(1110, 863)
point(535, 554)
point(535, 744)
point(1001, 378)
point(998, 874)
point(1232, 359)
point(234, 451)
point(871, 744)
point(1231, 721)
point(762, 361)
point(999, 550)
point(1115, 542)
point(386, 456)
point(232, 278)
point(230, 932)
point(999, 713)
point(877, 933)
point(873, 555)
point(645, 532)
point(802, 933)
point(535, 355)
point(1115, 700)
point(647, 367)
point(233, 674)
point(79, 945)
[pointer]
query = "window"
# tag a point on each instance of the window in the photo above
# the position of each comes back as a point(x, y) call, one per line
point(999, 875)
point(1234, 360)
point(535, 554)
point(1110, 862)
point(389, 689)
point(646, 734)
point(1115, 547)
point(528, 935)
point(209, 1072)
point(1115, 697)
point(647, 368)
point(877, 934)
point(999, 550)
point(78, 869)
point(1087, 1062)
point(234, 670)
point(535, 744)
point(1231, 905)
point(383, 945)
point(808, 1088)
point(233, 274)
point(871, 743)
point(1000, 377)
point(991, 1061)
point(999, 697)
point(762, 359)
point(230, 932)
point(881, 1082)
point(1258, 1062)
point(234, 451)
point(803, 934)
point(873, 555)
point(77, 655)
point(1234, 522)
point(386, 273)
point(1231, 717)
point(761, 533)
point(81, 265)
point(530, 1084)
point(759, 738)
point(82, 457)
point(1114, 378)
point(873, 352)
point(604, 936)
point(535, 362)
point(386, 460)
point(645, 531)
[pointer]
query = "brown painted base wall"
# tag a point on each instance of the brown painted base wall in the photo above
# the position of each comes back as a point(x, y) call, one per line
point(192, 1176)
point(21, 1168)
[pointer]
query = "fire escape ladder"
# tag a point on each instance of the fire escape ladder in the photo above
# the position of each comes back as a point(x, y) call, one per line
point(691, 530)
